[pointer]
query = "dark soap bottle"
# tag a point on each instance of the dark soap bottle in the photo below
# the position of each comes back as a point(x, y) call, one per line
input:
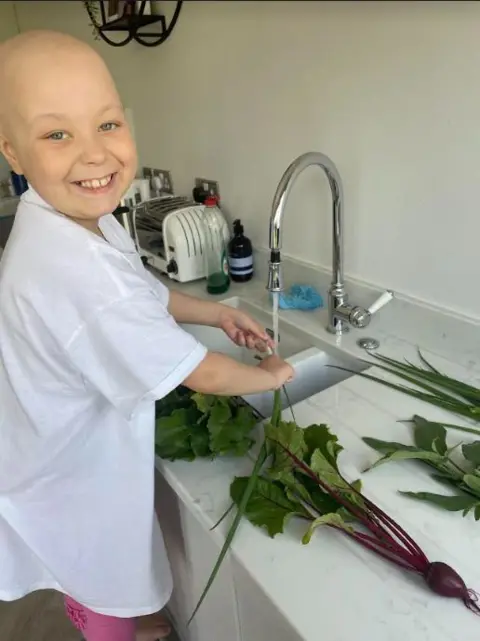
point(240, 255)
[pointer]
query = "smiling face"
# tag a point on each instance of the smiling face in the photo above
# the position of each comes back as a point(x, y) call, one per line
point(64, 127)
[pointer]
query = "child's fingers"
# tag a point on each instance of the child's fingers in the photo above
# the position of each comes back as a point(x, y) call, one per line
point(241, 340)
point(251, 341)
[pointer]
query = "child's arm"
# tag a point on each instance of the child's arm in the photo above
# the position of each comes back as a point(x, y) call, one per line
point(239, 327)
point(221, 375)
point(189, 310)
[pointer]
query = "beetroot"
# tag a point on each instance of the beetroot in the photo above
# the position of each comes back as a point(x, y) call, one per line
point(389, 540)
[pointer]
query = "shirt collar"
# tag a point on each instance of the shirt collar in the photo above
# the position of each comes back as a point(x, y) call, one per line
point(114, 234)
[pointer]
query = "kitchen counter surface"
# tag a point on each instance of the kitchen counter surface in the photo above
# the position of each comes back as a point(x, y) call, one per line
point(332, 588)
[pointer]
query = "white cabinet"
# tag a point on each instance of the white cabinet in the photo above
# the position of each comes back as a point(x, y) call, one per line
point(259, 619)
point(192, 552)
point(236, 608)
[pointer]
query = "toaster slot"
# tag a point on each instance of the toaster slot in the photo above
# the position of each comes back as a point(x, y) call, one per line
point(182, 224)
point(195, 231)
point(197, 219)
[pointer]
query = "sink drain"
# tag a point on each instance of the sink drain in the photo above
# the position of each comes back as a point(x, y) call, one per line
point(368, 343)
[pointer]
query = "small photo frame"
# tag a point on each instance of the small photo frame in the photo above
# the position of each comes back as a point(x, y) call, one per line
point(147, 10)
point(113, 10)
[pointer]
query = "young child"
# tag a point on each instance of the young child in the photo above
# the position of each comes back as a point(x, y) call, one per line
point(88, 341)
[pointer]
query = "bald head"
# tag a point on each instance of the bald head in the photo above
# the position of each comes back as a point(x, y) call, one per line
point(27, 59)
point(41, 43)
point(61, 120)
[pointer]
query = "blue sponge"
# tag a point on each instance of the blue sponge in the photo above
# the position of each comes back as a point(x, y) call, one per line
point(304, 297)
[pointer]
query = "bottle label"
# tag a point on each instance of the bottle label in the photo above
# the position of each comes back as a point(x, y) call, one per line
point(241, 266)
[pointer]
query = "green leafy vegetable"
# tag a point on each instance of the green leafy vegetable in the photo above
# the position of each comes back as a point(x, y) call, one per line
point(429, 436)
point(268, 505)
point(332, 518)
point(229, 429)
point(296, 474)
point(191, 425)
point(321, 438)
point(252, 480)
point(173, 435)
point(471, 452)
point(282, 491)
point(457, 503)
point(242, 504)
point(409, 452)
point(290, 436)
point(389, 540)
point(473, 482)
point(429, 385)
point(431, 449)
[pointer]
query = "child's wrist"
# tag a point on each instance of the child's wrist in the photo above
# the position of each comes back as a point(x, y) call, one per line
point(219, 314)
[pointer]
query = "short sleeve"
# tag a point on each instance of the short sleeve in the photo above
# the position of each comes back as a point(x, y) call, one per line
point(159, 288)
point(132, 350)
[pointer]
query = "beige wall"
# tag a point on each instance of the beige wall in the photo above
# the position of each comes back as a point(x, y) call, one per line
point(8, 28)
point(390, 90)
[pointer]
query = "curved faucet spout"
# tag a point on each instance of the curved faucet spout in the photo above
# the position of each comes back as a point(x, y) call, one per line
point(281, 196)
point(341, 315)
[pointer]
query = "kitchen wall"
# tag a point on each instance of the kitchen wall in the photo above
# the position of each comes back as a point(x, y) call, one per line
point(389, 90)
point(8, 28)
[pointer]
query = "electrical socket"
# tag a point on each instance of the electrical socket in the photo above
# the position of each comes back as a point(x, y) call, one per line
point(164, 175)
point(210, 186)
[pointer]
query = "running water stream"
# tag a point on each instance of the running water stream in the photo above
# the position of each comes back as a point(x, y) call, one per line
point(275, 297)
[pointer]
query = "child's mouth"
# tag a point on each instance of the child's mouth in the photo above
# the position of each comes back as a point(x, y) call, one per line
point(96, 185)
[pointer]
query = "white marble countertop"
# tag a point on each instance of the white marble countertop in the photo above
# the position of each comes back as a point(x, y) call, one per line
point(332, 588)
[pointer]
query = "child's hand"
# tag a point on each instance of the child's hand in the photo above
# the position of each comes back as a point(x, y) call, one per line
point(243, 330)
point(281, 371)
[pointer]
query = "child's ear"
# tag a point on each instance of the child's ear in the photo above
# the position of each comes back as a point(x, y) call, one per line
point(8, 151)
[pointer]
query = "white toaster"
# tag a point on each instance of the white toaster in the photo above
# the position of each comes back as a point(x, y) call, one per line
point(169, 236)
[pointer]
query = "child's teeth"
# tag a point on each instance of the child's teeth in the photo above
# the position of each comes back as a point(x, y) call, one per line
point(96, 183)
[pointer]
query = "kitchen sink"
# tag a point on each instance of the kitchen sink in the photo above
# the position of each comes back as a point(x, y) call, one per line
point(313, 374)
point(315, 364)
point(291, 340)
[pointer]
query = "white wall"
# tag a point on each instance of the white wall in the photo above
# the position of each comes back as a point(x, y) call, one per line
point(389, 90)
point(8, 28)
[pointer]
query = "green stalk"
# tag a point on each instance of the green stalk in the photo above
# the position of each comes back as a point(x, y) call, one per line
point(453, 426)
point(439, 390)
point(252, 481)
point(277, 409)
point(465, 391)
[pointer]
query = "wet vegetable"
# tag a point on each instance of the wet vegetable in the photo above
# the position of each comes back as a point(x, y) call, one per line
point(431, 450)
point(190, 425)
point(296, 475)
point(390, 541)
point(429, 385)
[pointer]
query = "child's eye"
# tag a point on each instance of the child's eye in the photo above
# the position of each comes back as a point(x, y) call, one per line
point(109, 126)
point(57, 135)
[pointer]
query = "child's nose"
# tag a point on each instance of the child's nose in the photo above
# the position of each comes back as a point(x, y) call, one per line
point(93, 151)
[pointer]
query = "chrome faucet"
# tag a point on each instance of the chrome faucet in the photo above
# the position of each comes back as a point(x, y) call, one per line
point(341, 314)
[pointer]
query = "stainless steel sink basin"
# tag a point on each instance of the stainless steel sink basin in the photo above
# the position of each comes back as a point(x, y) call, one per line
point(310, 358)
point(312, 375)
point(291, 340)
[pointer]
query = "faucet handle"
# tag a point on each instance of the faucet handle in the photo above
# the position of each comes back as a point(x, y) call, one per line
point(381, 301)
point(360, 317)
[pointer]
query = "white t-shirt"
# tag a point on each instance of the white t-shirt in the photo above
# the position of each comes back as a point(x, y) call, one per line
point(87, 345)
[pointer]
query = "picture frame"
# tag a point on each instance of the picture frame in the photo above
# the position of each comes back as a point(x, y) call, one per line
point(116, 9)
point(147, 10)
point(113, 10)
